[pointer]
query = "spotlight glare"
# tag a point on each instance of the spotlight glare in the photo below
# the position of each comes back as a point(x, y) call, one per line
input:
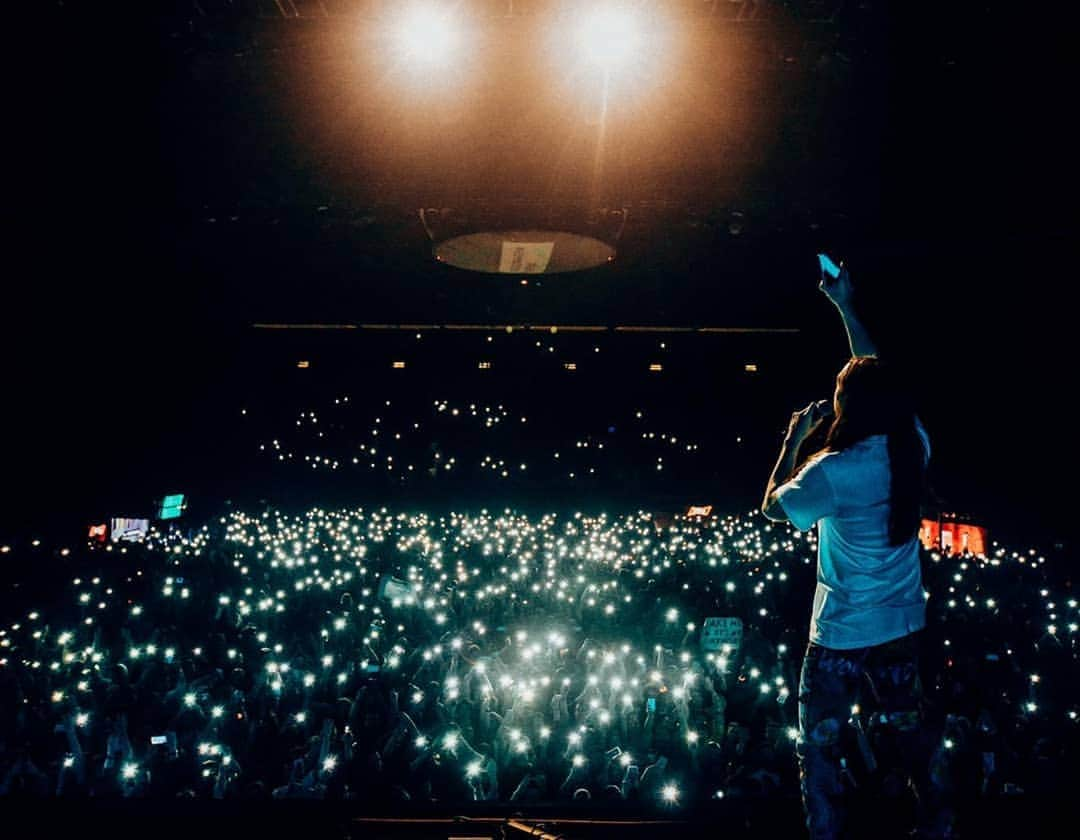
point(609, 37)
point(428, 34)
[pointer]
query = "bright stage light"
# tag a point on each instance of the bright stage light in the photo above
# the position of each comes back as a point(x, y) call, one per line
point(427, 33)
point(610, 37)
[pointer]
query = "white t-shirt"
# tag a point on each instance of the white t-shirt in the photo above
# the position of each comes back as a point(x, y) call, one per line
point(868, 592)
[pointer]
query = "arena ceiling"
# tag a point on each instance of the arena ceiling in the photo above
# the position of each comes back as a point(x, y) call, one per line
point(183, 171)
point(277, 154)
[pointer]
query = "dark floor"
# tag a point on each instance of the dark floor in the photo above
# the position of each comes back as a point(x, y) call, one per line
point(1020, 817)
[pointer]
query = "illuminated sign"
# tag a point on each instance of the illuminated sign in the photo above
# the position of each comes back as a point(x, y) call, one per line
point(172, 506)
point(953, 537)
point(129, 530)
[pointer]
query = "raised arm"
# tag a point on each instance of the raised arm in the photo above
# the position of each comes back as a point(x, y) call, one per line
point(842, 294)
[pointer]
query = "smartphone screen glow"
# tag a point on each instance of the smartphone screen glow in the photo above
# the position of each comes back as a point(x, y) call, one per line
point(828, 266)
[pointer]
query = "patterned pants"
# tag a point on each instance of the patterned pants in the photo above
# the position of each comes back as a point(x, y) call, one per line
point(832, 681)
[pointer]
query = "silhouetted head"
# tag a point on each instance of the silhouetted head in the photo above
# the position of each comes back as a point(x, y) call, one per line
point(872, 399)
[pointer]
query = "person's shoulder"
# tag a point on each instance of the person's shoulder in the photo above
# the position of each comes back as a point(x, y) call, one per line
point(820, 462)
point(858, 456)
point(823, 457)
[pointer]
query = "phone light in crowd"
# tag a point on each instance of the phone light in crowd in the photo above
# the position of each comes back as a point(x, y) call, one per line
point(130, 771)
point(190, 699)
point(82, 719)
point(472, 769)
point(669, 793)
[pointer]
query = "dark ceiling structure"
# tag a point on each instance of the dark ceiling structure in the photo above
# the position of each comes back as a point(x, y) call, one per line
point(188, 169)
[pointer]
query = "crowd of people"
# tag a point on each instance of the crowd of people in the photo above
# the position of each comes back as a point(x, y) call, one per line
point(405, 443)
point(377, 656)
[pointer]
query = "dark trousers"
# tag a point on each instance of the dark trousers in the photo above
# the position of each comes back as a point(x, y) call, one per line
point(884, 678)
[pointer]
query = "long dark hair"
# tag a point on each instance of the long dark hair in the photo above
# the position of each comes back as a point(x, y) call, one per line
point(873, 400)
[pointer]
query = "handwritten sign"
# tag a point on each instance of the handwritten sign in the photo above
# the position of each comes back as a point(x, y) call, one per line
point(719, 631)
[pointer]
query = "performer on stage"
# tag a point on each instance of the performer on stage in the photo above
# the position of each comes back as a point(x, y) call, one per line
point(862, 487)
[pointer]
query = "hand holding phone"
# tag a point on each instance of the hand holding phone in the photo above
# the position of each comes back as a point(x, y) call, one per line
point(828, 266)
point(835, 281)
